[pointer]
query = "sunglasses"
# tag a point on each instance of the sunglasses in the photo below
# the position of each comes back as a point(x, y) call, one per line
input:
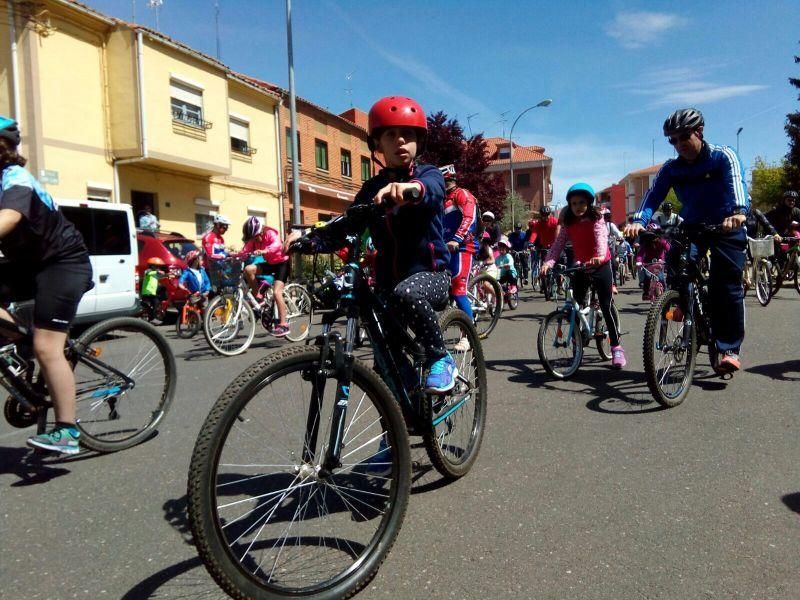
point(679, 138)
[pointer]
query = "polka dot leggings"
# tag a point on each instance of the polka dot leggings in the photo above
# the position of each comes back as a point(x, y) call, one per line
point(414, 299)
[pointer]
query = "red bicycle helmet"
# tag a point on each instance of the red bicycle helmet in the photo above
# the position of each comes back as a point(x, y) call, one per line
point(396, 111)
point(191, 255)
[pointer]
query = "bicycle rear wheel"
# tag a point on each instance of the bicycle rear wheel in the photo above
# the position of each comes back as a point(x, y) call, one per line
point(669, 358)
point(602, 340)
point(124, 381)
point(229, 325)
point(266, 520)
point(560, 356)
point(486, 306)
point(763, 281)
point(457, 419)
point(299, 311)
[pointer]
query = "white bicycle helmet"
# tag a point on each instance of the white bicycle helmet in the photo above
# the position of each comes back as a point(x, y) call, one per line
point(488, 215)
point(221, 220)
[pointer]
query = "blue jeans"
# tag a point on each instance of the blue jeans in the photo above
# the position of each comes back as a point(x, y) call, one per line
point(726, 295)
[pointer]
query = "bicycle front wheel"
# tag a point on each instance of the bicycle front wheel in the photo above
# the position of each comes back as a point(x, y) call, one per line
point(763, 281)
point(124, 382)
point(458, 418)
point(268, 521)
point(187, 328)
point(560, 355)
point(229, 325)
point(487, 304)
point(670, 351)
point(299, 311)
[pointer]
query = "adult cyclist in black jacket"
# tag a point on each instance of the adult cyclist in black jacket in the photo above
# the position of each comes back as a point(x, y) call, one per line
point(49, 262)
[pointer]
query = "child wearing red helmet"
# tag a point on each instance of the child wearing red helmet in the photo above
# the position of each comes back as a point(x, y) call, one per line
point(412, 257)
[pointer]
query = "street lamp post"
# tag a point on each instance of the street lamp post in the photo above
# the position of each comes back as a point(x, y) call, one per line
point(541, 104)
point(738, 131)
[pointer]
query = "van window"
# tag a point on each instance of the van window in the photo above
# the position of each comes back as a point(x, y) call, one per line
point(105, 232)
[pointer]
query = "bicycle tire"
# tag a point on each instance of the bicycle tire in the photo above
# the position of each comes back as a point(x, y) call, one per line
point(453, 438)
point(602, 341)
point(513, 300)
point(553, 368)
point(486, 317)
point(796, 281)
point(137, 349)
point(188, 329)
point(235, 409)
point(299, 311)
point(653, 331)
point(763, 283)
point(224, 336)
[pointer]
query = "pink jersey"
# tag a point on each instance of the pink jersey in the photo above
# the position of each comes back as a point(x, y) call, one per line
point(589, 239)
point(270, 244)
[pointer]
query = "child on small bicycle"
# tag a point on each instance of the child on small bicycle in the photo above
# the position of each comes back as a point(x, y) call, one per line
point(194, 279)
point(652, 249)
point(412, 259)
point(505, 264)
point(151, 278)
point(583, 225)
point(271, 256)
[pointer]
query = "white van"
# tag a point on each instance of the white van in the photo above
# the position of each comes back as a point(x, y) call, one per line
point(110, 236)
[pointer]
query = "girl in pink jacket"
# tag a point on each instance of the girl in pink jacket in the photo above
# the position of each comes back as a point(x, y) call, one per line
point(583, 225)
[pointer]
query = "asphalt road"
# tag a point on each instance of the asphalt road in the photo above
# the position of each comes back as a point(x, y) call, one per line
point(583, 489)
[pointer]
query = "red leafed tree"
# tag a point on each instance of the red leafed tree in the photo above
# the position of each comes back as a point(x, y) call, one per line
point(447, 145)
point(793, 131)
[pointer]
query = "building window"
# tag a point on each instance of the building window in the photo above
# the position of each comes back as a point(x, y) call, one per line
point(203, 222)
point(321, 154)
point(98, 194)
point(366, 171)
point(240, 137)
point(523, 180)
point(504, 153)
point(347, 167)
point(187, 105)
point(289, 146)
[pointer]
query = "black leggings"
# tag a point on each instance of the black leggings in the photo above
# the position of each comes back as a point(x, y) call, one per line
point(414, 299)
point(603, 279)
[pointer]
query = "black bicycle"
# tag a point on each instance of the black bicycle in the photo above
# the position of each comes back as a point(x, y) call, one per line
point(679, 321)
point(125, 379)
point(301, 473)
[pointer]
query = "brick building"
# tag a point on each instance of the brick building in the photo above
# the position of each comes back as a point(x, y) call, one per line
point(333, 157)
point(636, 183)
point(532, 170)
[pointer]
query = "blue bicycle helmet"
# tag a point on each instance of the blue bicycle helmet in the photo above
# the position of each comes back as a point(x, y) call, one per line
point(582, 188)
point(9, 129)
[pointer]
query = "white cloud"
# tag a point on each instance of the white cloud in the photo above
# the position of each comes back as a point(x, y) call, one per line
point(685, 86)
point(636, 29)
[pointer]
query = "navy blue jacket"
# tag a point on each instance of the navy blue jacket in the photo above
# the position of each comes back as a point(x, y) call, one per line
point(710, 189)
point(410, 238)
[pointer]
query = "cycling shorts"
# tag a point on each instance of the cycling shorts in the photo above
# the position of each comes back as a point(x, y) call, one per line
point(460, 267)
point(279, 271)
point(56, 290)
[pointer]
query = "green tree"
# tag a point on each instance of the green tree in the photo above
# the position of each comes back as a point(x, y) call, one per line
point(768, 183)
point(793, 131)
point(521, 213)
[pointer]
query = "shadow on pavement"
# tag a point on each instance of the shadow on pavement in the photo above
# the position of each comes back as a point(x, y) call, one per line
point(424, 477)
point(29, 467)
point(187, 579)
point(792, 501)
point(780, 370)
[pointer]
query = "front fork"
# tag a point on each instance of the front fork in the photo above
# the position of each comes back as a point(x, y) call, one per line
point(335, 362)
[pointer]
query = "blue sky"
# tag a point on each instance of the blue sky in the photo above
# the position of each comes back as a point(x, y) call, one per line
point(613, 69)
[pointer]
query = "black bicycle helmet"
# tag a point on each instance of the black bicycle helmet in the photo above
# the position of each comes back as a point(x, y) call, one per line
point(9, 129)
point(685, 119)
point(790, 194)
point(546, 210)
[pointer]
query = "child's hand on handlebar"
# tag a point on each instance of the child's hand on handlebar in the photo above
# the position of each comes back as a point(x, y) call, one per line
point(393, 193)
point(595, 260)
point(543, 271)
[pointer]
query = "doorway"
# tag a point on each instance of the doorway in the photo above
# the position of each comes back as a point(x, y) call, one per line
point(141, 199)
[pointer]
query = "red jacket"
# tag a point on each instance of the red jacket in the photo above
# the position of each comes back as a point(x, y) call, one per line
point(543, 232)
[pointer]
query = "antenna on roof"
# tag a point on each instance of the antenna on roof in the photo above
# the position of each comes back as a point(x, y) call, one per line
point(349, 88)
point(468, 123)
point(133, 11)
point(155, 5)
point(216, 25)
point(503, 120)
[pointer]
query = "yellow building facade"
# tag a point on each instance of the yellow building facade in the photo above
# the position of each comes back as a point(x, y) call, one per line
point(115, 112)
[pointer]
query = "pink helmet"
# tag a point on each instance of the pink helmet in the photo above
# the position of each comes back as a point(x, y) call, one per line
point(191, 255)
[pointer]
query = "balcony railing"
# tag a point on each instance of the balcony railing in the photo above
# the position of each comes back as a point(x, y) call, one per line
point(243, 149)
point(322, 178)
point(190, 120)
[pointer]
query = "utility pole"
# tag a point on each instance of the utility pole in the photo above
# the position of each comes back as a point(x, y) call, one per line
point(216, 26)
point(293, 120)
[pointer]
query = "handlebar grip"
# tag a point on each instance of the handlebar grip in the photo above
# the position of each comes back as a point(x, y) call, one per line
point(412, 194)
